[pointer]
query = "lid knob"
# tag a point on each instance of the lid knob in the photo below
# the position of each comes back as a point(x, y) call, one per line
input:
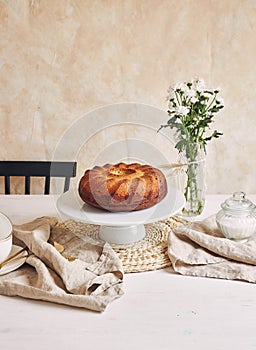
point(238, 196)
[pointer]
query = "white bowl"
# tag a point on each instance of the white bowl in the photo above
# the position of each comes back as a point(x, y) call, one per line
point(5, 237)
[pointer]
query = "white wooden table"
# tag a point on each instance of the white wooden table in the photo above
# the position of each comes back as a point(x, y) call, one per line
point(159, 310)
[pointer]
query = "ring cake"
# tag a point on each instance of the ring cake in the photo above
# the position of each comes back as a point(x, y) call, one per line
point(122, 187)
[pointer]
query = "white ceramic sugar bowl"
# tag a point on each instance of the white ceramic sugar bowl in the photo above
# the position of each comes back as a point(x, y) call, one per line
point(237, 218)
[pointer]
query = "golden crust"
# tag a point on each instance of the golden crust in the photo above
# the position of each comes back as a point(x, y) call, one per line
point(122, 187)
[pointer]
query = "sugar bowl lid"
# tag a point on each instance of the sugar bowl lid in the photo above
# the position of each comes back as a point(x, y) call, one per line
point(238, 203)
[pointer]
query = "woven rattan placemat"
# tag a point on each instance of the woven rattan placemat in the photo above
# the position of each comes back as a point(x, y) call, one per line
point(145, 255)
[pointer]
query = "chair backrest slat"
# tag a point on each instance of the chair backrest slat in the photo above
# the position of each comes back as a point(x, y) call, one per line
point(7, 185)
point(47, 185)
point(67, 183)
point(27, 184)
point(45, 169)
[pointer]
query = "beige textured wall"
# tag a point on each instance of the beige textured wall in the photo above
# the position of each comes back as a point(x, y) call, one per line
point(60, 59)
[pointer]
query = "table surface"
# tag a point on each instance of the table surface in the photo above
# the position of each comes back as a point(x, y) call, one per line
point(160, 310)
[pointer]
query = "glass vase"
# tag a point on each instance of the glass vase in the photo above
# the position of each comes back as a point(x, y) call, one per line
point(193, 158)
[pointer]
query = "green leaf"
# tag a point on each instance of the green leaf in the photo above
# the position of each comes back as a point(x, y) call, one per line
point(216, 134)
point(172, 120)
point(180, 145)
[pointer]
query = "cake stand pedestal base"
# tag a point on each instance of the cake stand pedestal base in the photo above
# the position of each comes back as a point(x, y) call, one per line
point(122, 234)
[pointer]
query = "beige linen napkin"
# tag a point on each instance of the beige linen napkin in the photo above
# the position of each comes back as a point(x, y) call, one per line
point(92, 280)
point(199, 249)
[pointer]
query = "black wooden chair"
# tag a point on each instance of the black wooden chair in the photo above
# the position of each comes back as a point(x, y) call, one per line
point(45, 169)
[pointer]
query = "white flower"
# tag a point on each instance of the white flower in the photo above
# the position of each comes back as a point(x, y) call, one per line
point(182, 110)
point(170, 95)
point(179, 86)
point(193, 100)
point(190, 93)
point(199, 85)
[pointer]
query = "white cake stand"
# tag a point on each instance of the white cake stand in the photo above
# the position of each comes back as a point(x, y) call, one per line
point(120, 227)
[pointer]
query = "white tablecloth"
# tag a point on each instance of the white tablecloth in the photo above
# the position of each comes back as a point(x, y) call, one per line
point(159, 310)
